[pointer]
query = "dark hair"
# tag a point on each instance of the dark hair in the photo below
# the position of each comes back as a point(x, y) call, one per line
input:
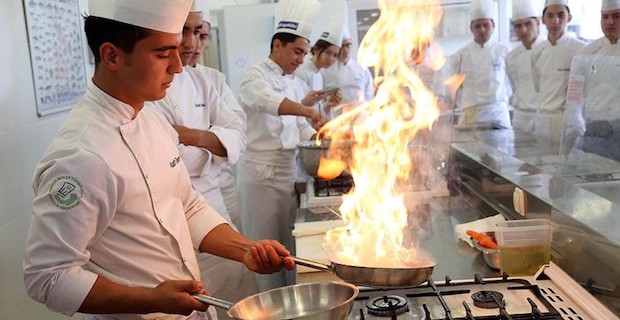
point(101, 30)
point(284, 37)
point(567, 10)
point(319, 47)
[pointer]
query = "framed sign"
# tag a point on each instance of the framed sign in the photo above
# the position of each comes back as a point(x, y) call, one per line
point(56, 53)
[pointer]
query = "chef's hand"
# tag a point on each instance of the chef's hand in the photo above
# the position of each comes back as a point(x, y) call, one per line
point(318, 119)
point(175, 297)
point(313, 97)
point(266, 256)
point(333, 101)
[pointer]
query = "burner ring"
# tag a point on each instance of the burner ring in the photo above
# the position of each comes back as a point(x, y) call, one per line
point(387, 306)
point(486, 299)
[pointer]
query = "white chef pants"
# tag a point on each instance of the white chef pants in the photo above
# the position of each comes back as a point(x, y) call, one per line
point(550, 125)
point(525, 120)
point(268, 204)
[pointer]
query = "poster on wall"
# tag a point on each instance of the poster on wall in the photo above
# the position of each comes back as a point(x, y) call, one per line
point(56, 53)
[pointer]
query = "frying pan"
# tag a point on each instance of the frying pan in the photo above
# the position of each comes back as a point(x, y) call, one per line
point(317, 300)
point(373, 276)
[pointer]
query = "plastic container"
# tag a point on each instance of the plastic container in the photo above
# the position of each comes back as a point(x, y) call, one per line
point(524, 246)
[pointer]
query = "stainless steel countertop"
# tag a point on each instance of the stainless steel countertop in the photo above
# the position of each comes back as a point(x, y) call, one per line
point(455, 258)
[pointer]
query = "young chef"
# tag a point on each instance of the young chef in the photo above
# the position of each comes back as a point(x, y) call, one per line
point(610, 24)
point(525, 21)
point(597, 125)
point(218, 80)
point(324, 54)
point(483, 97)
point(354, 81)
point(551, 68)
point(115, 218)
point(211, 134)
point(275, 125)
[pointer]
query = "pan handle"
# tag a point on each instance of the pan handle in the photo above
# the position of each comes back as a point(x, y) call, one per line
point(311, 264)
point(213, 301)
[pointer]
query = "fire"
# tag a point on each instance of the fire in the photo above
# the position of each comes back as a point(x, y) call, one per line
point(380, 158)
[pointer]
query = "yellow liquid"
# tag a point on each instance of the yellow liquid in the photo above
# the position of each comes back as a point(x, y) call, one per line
point(523, 261)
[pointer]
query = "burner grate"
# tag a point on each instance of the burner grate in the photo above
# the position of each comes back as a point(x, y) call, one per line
point(518, 299)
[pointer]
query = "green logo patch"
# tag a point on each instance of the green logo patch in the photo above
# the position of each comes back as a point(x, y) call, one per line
point(65, 192)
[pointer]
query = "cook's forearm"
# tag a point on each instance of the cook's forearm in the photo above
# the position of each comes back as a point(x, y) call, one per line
point(202, 139)
point(225, 242)
point(108, 297)
point(290, 107)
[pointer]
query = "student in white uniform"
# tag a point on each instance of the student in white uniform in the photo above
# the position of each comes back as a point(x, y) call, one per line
point(525, 21)
point(598, 124)
point(211, 134)
point(218, 79)
point(610, 24)
point(354, 81)
point(115, 218)
point(324, 54)
point(275, 125)
point(483, 97)
point(551, 69)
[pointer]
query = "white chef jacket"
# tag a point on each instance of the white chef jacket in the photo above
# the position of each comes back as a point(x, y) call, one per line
point(519, 67)
point(111, 193)
point(354, 81)
point(309, 74)
point(193, 101)
point(227, 178)
point(551, 69)
point(601, 46)
point(486, 86)
point(262, 90)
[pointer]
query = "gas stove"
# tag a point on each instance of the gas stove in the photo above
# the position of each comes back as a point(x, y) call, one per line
point(537, 297)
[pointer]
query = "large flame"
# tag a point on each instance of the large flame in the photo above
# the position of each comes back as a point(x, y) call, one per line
point(380, 158)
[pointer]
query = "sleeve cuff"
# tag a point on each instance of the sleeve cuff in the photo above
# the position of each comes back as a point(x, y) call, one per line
point(201, 224)
point(71, 290)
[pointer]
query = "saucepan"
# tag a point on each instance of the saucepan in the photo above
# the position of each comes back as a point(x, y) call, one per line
point(316, 300)
point(374, 276)
point(310, 154)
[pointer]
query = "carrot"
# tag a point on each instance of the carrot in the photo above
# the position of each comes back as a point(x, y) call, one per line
point(475, 235)
point(482, 239)
point(488, 243)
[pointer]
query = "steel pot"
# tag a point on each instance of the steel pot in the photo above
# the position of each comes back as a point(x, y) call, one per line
point(310, 154)
point(373, 276)
point(317, 301)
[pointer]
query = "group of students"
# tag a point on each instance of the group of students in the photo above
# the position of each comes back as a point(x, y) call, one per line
point(135, 204)
point(535, 73)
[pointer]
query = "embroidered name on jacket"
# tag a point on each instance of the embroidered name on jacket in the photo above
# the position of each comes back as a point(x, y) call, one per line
point(200, 105)
point(288, 25)
point(174, 162)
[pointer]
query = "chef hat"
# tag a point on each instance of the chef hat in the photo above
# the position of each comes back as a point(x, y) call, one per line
point(160, 15)
point(345, 33)
point(206, 15)
point(296, 16)
point(196, 6)
point(522, 9)
point(610, 5)
point(481, 9)
point(333, 31)
point(551, 2)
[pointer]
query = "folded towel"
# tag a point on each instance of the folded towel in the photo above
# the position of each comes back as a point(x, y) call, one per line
point(315, 227)
point(482, 225)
